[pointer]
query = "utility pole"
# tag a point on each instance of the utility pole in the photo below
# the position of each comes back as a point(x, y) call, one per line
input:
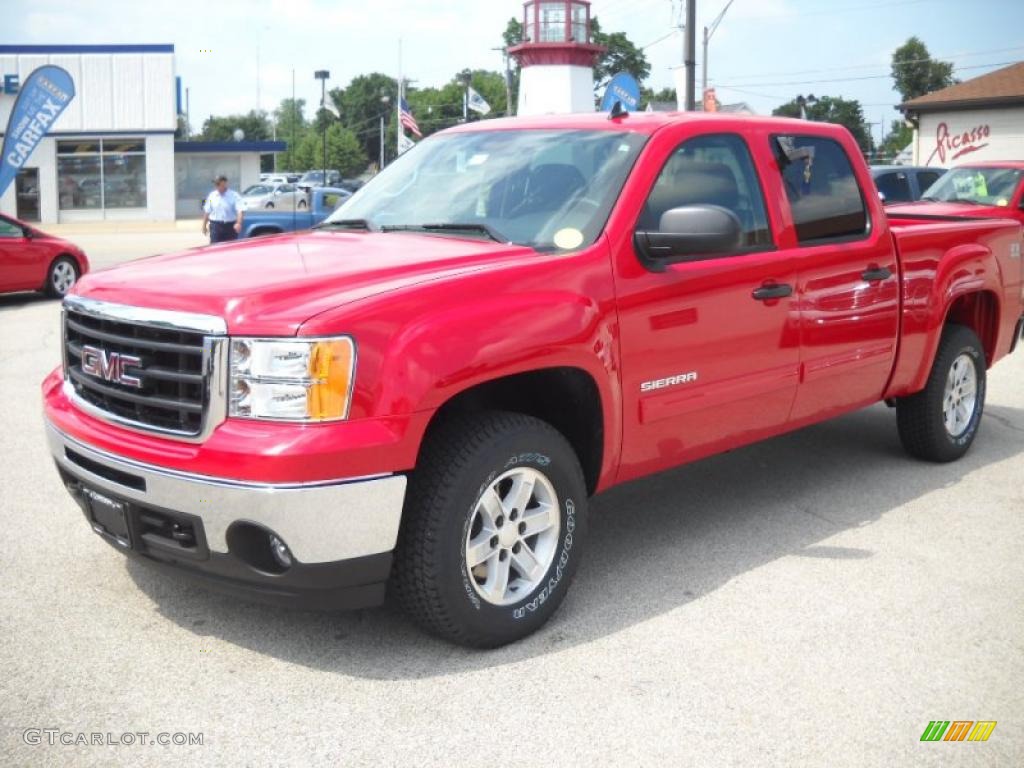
point(689, 51)
point(322, 75)
point(508, 80)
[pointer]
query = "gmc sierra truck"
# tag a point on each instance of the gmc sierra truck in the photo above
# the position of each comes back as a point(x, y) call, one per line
point(421, 394)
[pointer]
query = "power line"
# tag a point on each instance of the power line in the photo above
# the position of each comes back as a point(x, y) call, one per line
point(851, 79)
point(875, 64)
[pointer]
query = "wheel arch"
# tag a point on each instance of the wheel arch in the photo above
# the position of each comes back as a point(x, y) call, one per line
point(566, 397)
point(979, 311)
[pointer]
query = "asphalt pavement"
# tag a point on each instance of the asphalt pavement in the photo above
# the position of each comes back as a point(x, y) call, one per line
point(813, 600)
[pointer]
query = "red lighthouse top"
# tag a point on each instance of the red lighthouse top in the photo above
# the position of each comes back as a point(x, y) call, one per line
point(556, 32)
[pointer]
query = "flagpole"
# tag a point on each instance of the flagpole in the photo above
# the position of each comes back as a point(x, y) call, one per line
point(399, 130)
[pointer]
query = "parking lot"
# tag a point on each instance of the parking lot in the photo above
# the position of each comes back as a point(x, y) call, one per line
point(816, 600)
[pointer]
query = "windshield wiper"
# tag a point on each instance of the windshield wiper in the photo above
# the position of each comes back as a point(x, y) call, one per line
point(484, 229)
point(347, 224)
point(930, 199)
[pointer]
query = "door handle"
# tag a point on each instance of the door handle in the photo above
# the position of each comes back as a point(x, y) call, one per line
point(874, 274)
point(774, 291)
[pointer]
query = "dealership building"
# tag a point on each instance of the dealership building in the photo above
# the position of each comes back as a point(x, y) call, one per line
point(978, 119)
point(112, 154)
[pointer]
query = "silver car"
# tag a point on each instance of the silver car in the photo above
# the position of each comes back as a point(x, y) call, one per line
point(274, 195)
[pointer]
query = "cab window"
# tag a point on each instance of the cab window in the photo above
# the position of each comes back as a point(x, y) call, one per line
point(823, 192)
point(711, 170)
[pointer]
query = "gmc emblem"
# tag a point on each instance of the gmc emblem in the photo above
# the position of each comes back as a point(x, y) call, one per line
point(110, 366)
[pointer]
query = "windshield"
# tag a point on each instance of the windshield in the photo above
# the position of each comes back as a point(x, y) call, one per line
point(312, 176)
point(546, 189)
point(984, 186)
point(257, 189)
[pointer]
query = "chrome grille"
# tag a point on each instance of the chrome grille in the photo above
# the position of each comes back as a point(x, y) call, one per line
point(179, 390)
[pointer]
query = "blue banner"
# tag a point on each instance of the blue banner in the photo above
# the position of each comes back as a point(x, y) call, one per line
point(624, 88)
point(43, 96)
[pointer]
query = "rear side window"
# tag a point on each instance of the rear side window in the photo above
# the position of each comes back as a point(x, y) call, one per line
point(823, 193)
point(895, 186)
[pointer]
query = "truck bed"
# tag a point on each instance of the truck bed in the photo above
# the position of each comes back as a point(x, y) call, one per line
point(946, 258)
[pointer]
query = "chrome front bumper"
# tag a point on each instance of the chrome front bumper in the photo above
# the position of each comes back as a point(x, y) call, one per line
point(320, 522)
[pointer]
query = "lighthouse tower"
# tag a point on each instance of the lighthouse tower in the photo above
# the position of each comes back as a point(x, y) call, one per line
point(557, 58)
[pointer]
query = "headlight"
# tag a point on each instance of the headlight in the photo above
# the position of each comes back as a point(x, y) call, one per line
point(292, 379)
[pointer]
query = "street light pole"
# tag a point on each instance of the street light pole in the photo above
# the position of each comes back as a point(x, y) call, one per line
point(322, 75)
point(708, 32)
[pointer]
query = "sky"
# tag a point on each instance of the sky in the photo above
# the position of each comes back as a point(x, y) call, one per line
point(236, 56)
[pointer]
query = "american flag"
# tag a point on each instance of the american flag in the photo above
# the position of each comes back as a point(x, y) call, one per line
point(406, 118)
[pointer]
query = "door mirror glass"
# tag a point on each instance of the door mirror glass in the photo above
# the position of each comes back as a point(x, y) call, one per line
point(690, 233)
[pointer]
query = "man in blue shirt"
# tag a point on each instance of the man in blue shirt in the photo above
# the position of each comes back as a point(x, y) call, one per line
point(222, 212)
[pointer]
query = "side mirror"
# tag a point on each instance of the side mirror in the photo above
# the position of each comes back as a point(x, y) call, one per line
point(881, 196)
point(689, 233)
point(28, 233)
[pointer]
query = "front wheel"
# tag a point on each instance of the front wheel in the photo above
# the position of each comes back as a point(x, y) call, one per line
point(940, 422)
point(60, 277)
point(492, 529)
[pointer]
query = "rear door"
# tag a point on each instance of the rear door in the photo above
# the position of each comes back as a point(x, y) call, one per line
point(849, 283)
point(706, 363)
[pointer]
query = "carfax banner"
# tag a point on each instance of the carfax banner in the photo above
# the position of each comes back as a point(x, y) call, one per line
point(43, 96)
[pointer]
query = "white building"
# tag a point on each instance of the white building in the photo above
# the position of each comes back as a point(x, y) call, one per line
point(979, 119)
point(112, 154)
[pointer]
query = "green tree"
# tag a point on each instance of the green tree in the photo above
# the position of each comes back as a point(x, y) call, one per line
point(832, 109)
point(899, 136)
point(361, 105)
point(916, 73)
point(290, 127)
point(622, 56)
point(254, 124)
point(344, 152)
point(665, 95)
point(513, 35)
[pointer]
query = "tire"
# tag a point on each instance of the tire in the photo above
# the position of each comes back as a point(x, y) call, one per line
point(446, 512)
point(270, 206)
point(62, 274)
point(931, 426)
point(302, 203)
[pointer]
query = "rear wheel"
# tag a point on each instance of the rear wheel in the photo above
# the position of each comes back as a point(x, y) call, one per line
point(492, 529)
point(270, 206)
point(61, 276)
point(302, 203)
point(940, 422)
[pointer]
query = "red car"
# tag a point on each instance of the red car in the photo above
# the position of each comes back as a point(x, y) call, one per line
point(31, 260)
point(983, 190)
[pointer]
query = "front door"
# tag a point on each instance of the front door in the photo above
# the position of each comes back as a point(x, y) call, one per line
point(17, 259)
point(26, 185)
point(710, 352)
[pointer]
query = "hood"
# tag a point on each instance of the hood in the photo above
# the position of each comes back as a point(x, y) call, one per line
point(272, 285)
point(968, 210)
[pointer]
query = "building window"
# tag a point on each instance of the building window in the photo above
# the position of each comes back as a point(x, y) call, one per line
point(100, 174)
point(579, 23)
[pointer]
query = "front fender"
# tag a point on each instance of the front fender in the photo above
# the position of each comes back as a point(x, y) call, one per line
point(420, 346)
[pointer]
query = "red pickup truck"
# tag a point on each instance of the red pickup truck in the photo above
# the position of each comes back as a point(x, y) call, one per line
point(422, 393)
